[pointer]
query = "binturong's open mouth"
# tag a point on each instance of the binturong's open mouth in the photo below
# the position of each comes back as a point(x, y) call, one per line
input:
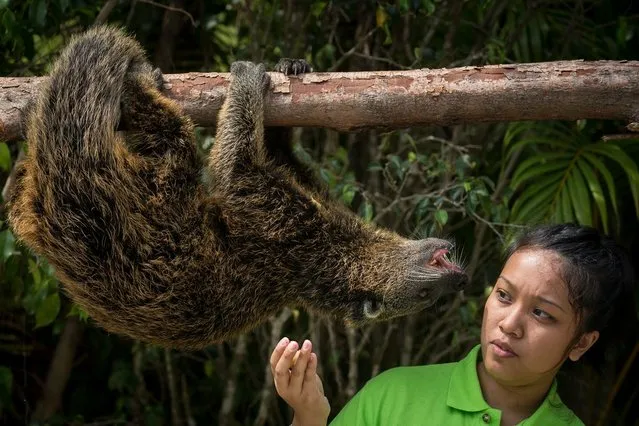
point(441, 259)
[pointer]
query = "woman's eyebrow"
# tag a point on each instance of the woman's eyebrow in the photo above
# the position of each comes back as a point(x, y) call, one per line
point(540, 298)
point(550, 302)
point(501, 277)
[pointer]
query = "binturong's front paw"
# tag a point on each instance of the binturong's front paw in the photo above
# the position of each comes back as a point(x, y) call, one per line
point(289, 66)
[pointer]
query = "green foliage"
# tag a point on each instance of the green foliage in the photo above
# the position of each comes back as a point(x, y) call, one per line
point(6, 385)
point(565, 177)
point(5, 157)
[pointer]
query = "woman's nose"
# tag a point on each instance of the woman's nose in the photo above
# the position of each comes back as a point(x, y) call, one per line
point(511, 324)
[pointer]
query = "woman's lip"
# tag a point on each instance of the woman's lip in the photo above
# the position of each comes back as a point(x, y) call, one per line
point(502, 351)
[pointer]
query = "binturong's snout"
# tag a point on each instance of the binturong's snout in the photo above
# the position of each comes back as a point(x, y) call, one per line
point(425, 270)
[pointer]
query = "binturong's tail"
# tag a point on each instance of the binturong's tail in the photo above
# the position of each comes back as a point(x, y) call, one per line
point(66, 194)
point(78, 109)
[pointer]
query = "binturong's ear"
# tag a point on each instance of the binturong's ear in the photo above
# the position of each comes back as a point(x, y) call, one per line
point(583, 344)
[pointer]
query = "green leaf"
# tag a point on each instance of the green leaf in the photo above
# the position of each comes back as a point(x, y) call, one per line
point(209, 368)
point(3, 4)
point(79, 312)
point(580, 198)
point(535, 38)
point(35, 273)
point(429, 5)
point(539, 166)
point(317, 8)
point(366, 211)
point(610, 182)
point(154, 416)
point(380, 16)
point(421, 209)
point(327, 176)
point(348, 193)
point(7, 245)
point(537, 202)
point(6, 385)
point(559, 145)
point(5, 157)
point(564, 211)
point(48, 310)
point(441, 216)
point(121, 378)
point(38, 12)
point(559, 137)
point(548, 186)
point(629, 166)
point(374, 167)
point(514, 130)
point(596, 192)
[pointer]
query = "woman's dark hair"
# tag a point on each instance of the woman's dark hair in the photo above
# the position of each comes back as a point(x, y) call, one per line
point(597, 271)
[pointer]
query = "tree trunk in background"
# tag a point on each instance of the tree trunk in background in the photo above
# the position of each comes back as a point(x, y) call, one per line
point(171, 26)
point(59, 370)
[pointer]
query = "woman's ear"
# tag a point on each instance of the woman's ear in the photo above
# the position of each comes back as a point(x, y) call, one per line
point(583, 344)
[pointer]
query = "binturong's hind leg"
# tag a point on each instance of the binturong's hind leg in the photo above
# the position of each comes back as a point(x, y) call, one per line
point(239, 142)
point(154, 125)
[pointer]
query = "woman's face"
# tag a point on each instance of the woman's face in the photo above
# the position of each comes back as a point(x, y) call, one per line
point(528, 323)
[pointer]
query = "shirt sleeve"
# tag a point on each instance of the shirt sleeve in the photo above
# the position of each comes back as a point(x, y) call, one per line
point(354, 411)
point(365, 408)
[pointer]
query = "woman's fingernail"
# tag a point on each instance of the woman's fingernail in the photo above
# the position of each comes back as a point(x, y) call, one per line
point(306, 345)
point(283, 342)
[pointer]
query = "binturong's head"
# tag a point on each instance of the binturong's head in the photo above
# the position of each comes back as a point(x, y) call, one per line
point(372, 275)
point(409, 275)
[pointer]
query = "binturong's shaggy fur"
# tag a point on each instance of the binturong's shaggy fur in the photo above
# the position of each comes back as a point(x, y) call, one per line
point(151, 250)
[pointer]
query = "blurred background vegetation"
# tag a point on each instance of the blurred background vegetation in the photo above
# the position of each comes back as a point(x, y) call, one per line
point(474, 183)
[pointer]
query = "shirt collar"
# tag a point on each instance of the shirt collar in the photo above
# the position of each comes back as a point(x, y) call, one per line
point(551, 408)
point(464, 391)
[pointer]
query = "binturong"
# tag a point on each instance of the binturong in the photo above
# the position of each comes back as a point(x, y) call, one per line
point(157, 245)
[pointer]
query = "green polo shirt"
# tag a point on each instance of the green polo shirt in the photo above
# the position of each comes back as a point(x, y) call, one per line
point(440, 394)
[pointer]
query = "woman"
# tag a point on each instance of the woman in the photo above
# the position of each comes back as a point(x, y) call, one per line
point(558, 289)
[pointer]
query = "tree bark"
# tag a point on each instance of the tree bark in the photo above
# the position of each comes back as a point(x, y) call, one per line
point(565, 90)
point(59, 370)
point(171, 377)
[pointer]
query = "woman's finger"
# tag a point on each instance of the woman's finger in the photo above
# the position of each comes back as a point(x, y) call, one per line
point(281, 375)
point(299, 369)
point(320, 385)
point(311, 372)
point(277, 353)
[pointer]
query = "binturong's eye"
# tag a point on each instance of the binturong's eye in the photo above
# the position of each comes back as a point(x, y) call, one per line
point(372, 308)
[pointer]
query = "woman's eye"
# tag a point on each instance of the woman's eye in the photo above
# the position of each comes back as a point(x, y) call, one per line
point(542, 314)
point(502, 296)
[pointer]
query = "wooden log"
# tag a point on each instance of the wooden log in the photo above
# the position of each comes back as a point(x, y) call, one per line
point(345, 101)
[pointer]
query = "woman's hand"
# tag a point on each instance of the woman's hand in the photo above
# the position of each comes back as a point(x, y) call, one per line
point(298, 383)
